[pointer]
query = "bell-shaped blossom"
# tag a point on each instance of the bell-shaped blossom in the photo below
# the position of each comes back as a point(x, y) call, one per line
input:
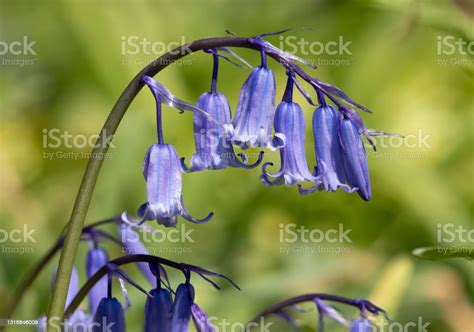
point(158, 310)
point(181, 313)
point(79, 320)
point(201, 319)
point(96, 258)
point(211, 137)
point(109, 316)
point(255, 110)
point(354, 158)
point(132, 245)
point(289, 124)
point(330, 168)
point(163, 175)
point(361, 325)
point(326, 310)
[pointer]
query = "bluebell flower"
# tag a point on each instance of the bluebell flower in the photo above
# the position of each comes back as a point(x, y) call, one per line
point(326, 310)
point(79, 320)
point(109, 316)
point(132, 245)
point(290, 134)
point(255, 110)
point(354, 158)
point(201, 319)
point(181, 313)
point(163, 175)
point(330, 168)
point(361, 325)
point(96, 258)
point(162, 170)
point(158, 310)
point(211, 137)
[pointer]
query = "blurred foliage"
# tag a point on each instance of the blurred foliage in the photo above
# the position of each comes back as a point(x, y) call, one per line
point(80, 69)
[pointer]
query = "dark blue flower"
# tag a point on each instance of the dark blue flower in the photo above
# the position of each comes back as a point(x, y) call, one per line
point(354, 158)
point(158, 310)
point(330, 168)
point(96, 258)
point(255, 110)
point(290, 134)
point(361, 325)
point(211, 137)
point(109, 316)
point(163, 175)
point(181, 313)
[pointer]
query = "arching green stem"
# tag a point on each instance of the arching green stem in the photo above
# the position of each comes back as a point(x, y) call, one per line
point(86, 189)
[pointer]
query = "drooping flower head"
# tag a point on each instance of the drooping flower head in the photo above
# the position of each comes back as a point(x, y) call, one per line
point(96, 258)
point(362, 324)
point(355, 158)
point(212, 138)
point(109, 315)
point(290, 134)
point(256, 109)
point(201, 319)
point(163, 313)
point(181, 312)
point(158, 310)
point(163, 172)
point(329, 167)
point(79, 320)
point(132, 245)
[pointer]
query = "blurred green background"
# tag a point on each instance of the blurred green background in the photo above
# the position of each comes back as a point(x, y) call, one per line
point(81, 66)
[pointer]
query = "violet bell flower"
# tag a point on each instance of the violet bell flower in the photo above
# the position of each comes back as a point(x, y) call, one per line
point(255, 109)
point(212, 137)
point(290, 125)
point(163, 173)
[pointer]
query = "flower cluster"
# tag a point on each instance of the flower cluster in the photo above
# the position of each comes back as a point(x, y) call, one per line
point(341, 162)
point(338, 133)
point(166, 309)
point(368, 312)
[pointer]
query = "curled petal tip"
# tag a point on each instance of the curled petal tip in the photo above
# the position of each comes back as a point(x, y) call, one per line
point(130, 220)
